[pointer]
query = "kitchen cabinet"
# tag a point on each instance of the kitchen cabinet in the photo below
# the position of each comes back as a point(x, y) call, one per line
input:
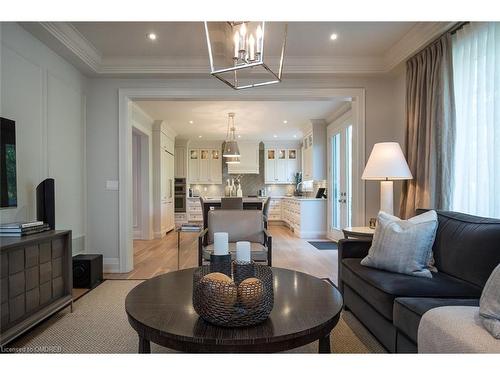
point(163, 182)
point(249, 159)
point(193, 210)
point(307, 157)
point(280, 165)
point(306, 217)
point(205, 166)
point(180, 162)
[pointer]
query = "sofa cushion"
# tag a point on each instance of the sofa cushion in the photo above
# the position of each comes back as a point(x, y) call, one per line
point(258, 251)
point(380, 288)
point(455, 329)
point(403, 246)
point(408, 311)
point(241, 225)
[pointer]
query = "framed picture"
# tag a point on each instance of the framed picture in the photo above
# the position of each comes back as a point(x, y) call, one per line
point(204, 154)
point(215, 154)
point(292, 154)
point(282, 154)
point(193, 154)
point(270, 155)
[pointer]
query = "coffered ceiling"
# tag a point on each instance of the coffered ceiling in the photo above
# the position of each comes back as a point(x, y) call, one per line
point(123, 49)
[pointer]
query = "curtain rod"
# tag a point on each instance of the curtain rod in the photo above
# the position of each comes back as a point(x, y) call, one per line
point(457, 27)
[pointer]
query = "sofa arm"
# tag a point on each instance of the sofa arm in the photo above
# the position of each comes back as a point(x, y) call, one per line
point(350, 248)
point(353, 248)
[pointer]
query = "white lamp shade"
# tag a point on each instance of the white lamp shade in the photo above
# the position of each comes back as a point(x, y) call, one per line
point(386, 162)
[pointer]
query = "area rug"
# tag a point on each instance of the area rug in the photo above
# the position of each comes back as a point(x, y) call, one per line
point(324, 245)
point(99, 325)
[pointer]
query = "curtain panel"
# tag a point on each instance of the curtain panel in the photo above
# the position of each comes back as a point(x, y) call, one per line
point(476, 67)
point(430, 117)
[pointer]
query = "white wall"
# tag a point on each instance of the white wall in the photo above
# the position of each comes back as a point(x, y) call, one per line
point(45, 95)
point(384, 122)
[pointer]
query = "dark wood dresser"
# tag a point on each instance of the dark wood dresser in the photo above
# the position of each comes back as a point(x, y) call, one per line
point(36, 280)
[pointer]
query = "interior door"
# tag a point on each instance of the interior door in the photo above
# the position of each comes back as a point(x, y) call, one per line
point(340, 180)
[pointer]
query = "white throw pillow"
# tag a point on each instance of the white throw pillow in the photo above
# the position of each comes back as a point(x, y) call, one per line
point(489, 304)
point(403, 246)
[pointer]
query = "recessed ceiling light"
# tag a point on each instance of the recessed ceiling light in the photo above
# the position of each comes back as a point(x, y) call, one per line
point(333, 36)
point(285, 121)
point(275, 136)
point(191, 121)
point(239, 135)
point(152, 36)
point(295, 136)
point(200, 136)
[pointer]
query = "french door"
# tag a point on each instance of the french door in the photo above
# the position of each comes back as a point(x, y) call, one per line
point(340, 171)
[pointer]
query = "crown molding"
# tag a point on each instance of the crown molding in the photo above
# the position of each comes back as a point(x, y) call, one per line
point(73, 40)
point(413, 41)
point(98, 64)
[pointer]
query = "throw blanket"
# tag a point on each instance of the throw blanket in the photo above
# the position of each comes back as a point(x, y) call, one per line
point(455, 329)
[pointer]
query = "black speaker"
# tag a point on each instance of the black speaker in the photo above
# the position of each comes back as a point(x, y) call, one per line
point(87, 270)
point(45, 202)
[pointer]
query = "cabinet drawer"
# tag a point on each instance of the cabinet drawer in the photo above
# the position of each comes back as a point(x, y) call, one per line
point(195, 217)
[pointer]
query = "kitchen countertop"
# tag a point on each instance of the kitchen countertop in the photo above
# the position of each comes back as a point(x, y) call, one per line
point(260, 199)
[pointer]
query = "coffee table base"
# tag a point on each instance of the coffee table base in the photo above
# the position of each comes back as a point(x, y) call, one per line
point(323, 345)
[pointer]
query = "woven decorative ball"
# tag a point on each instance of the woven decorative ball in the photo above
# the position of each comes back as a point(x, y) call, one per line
point(250, 292)
point(220, 301)
point(220, 287)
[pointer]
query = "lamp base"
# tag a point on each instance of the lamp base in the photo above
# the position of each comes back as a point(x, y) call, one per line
point(387, 197)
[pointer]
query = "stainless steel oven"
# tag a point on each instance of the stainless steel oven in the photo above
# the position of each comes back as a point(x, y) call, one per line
point(180, 195)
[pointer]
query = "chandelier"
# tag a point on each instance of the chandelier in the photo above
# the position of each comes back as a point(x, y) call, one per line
point(236, 52)
point(231, 150)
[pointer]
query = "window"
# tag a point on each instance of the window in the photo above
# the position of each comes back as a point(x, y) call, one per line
point(476, 79)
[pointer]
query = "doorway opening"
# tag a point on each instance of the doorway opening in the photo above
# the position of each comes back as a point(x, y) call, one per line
point(141, 217)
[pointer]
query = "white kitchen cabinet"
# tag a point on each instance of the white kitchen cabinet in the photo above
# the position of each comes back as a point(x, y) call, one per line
point(307, 157)
point(280, 165)
point(193, 210)
point(163, 183)
point(180, 162)
point(306, 217)
point(193, 166)
point(249, 159)
point(275, 209)
point(205, 166)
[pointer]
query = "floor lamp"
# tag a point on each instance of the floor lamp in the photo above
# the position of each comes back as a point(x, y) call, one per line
point(386, 163)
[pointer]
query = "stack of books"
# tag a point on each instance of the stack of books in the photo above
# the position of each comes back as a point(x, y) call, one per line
point(22, 229)
point(190, 228)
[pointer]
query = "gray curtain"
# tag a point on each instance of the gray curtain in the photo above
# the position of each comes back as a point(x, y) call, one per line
point(430, 118)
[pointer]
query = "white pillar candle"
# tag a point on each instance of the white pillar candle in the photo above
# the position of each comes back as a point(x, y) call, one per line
point(221, 243)
point(243, 253)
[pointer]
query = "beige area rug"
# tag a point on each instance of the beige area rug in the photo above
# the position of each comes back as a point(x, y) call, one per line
point(99, 325)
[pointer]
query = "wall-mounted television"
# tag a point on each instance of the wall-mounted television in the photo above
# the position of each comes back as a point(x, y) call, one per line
point(8, 175)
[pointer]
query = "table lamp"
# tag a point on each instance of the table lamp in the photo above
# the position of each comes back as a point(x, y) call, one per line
point(386, 163)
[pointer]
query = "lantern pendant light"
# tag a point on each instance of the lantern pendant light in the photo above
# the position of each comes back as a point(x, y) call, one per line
point(231, 149)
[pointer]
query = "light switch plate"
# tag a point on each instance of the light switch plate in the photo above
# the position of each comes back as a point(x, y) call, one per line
point(112, 185)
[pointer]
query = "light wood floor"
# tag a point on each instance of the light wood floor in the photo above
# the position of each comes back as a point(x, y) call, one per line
point(155, 257)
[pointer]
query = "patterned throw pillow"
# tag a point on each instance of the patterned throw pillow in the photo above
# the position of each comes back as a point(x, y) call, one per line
point(489, 304)
point(403, 246)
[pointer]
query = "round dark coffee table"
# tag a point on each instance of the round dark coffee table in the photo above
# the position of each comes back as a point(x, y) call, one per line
point(306, 309)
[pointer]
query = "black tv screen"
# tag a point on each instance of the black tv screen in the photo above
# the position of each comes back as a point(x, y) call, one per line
point(8, 177)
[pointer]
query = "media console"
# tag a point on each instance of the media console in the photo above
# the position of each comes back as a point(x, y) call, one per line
point(36, 280)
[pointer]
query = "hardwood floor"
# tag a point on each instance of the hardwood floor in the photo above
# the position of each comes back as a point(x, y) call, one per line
point(152, 258)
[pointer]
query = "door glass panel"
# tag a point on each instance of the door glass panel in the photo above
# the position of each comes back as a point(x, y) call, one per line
point(336, 182)
point(349, 175)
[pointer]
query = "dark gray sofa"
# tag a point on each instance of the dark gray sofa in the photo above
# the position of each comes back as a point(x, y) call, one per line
point(390, 305)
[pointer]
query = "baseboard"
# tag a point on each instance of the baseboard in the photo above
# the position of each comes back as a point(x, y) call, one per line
point(111, 265)
point(78, 245)
point(312, 235)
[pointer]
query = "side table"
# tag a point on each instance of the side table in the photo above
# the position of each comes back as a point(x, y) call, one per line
point(358, 232)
